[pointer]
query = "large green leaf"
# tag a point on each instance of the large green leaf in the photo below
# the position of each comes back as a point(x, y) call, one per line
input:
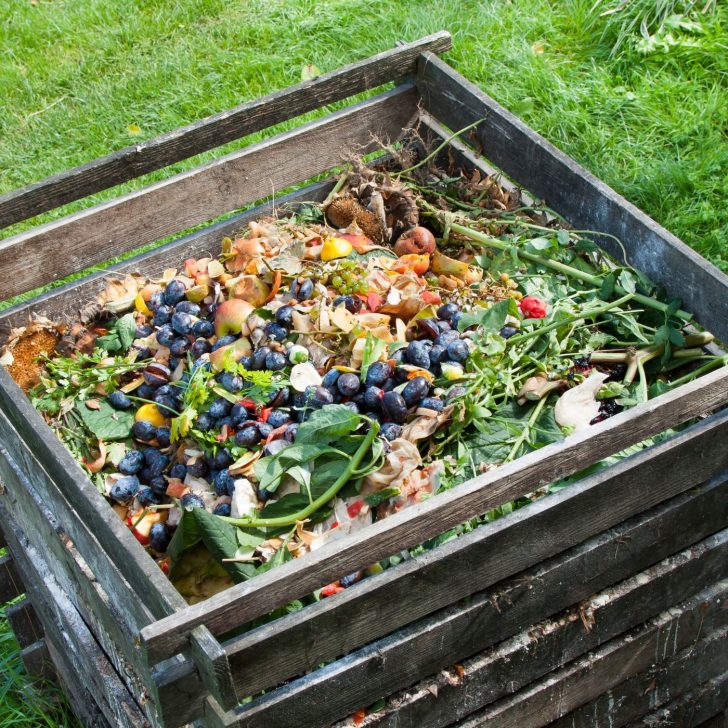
point(327, 424)
point(221, 540)
point(106, 422)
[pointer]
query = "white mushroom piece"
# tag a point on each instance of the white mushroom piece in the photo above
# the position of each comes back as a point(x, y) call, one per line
point(578, 406)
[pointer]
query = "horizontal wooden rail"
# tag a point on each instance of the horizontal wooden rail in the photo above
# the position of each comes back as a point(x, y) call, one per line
point(572, 191)
point(667, 636)
point(63, 303)
point(437, 641)
point(409, 527)
point(438, 701)
point(298, 643)
point(75, 242)
point(215, 130)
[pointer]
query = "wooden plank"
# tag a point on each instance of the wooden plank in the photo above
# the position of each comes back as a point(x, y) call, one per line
point(37, 661)
point(24, 622)
point(579, 196)
point(414, 525)
point(216, 130)
point(689, 709)
point(658, 684)
point(661, 638)
point(484, 619)
point(63, 303)
point(81, 700)
point(62, 622)
point(213, 667)
point(146, 580)
point(92, 236)
point(10, 584)
point(299, 642)
point(498, 671)
point(114, 613)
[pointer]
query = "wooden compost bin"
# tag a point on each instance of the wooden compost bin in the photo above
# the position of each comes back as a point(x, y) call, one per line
point(603, 603)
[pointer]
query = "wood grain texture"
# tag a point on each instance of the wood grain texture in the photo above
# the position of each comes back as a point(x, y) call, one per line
point(81, 700)
point(655, 686)
point(92, 236)
point(414, 525)
point(216, 130)
point(63, 624)
point(585, 201)
point(115, 615)
point(10, 584)
point(24, 622)
point(152, 588)
point(213, 667)
point(301, 641)
point(690, 709)
point(37, 660)
point(486, 618)
point(439, 700)
point(63, 303)
point(660, 639)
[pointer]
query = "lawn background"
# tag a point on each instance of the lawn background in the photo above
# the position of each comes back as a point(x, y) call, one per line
point(637, 96)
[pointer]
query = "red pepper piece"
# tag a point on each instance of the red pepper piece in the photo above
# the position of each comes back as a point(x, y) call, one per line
point(354, 508)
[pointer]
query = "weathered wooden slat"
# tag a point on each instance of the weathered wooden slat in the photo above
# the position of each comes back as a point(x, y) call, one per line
point(571, 190)
point(114, 616)
point(440, 700)
point(299, 642)
point(37, 660)
point(81, 700)
point(112, 228)
point(661, 638)
point(414, 525)
point(24, 622)
point(484, 619)
point(62, 623)
point(216, 130)
point(655, 686)
point(146, 580)
point(689, 709)
point(10, 584)
point(64, 302)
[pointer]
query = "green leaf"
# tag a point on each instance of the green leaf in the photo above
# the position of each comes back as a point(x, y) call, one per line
point(490, 319)
point(309, 72)
point(269, 472)
point(125, 329)
point(584, 245)
point(374, 499)
point(185, 536)
point(109, 342)
point(327, 424)
point(373, 349)
point(286, 506)
point(106, 423)
point(562, 236)
point(221, 540)
point(628, 281)
point(325, 474)
point(607, 287)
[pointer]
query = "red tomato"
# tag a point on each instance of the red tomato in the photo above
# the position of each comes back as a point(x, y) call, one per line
point(532, 307)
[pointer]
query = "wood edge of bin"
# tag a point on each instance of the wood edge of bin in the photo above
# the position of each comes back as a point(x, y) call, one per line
point(503, 666)
point(193, 197)
point(270, 654)
point(63, 302)
point(217, 129)
point(416, 524)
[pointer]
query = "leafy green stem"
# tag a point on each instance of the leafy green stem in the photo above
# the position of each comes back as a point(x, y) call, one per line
point(526, 430)
point(322, 500)
point(490, 242)
point(570, 319)
point(720, 361)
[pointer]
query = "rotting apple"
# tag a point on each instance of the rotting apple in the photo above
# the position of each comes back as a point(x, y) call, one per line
point(231, 316)
point(241, 347)
point(249, 288)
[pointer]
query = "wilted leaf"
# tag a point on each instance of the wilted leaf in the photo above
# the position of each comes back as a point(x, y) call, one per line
point(309, 72)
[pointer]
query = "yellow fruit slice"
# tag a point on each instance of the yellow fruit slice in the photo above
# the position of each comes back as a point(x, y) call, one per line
point(141, 305)
point(151, 413)
point(335, 248)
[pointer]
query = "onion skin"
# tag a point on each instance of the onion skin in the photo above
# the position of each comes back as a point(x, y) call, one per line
point(417, 241)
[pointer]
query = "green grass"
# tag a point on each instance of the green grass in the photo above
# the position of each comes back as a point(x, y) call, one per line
point(639, 108)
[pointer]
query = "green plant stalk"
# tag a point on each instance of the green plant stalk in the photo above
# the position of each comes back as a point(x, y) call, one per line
point(527, 429)
point(567, 270)
point(721, 361)
point(570, 320)
point(322, 500)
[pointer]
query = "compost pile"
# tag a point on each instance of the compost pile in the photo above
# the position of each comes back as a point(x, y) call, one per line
point(352, 359)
